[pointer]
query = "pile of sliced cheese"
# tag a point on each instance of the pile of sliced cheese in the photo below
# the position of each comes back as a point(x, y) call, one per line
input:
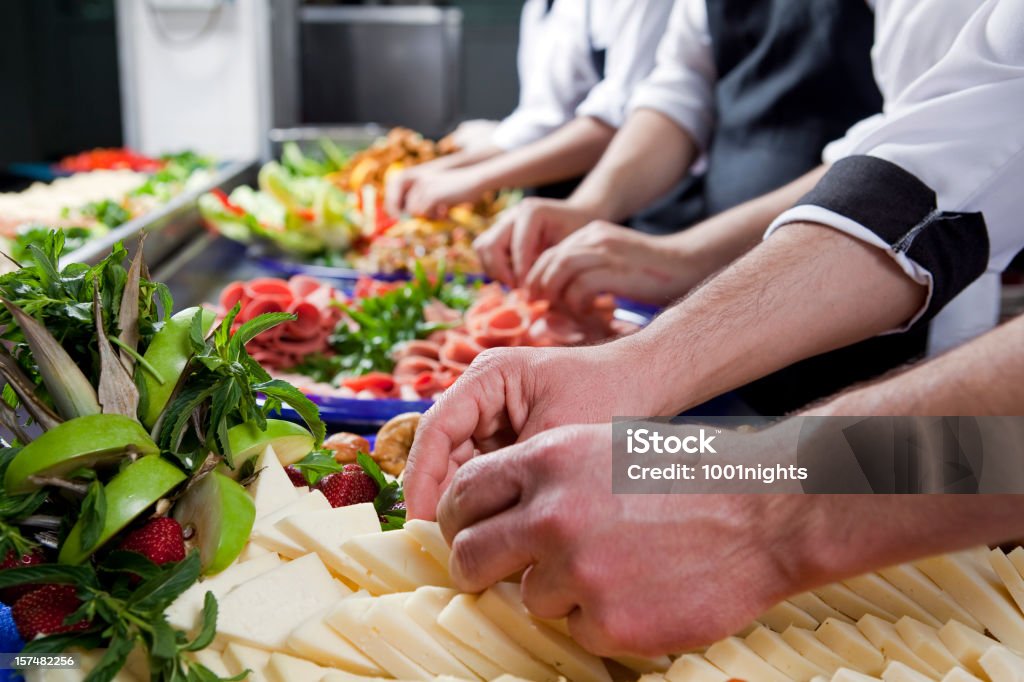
point(321, 594)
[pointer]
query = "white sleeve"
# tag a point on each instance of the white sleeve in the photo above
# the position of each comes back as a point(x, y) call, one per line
point(682, 84)
point(554, 75)
point(936, 180)
point(634, 29)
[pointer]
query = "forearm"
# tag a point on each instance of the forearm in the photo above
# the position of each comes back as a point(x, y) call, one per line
point(462, 158)
point(838, 536)
point(984, 377)
point(569, 152)
point(713, 244)
point(648, 156)
point(806, 290)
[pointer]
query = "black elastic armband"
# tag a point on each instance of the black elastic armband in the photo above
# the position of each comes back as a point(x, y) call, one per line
point(903, 212)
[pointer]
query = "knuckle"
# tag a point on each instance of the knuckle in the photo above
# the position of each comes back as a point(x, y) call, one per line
point(465, 557)
point(552, 524)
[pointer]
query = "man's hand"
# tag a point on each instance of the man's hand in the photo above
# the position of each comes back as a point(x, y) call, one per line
point(512, 245)
point(607, 258)
point(510, 394)
point(635, 574)
point(432, 195)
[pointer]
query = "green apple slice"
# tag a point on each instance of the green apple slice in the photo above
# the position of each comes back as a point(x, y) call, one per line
point(129, 494)
point(89, 441)
point(168, 353)
point(290, 441)
point(220, 514)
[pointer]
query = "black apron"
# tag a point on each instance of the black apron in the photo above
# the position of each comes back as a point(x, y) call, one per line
point(793, 76)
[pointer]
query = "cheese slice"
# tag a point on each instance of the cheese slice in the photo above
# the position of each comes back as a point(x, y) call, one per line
point(734, 657)
point(1008, 574)
point(1016, 558)
point(848, 643)
point(320, 643)
point(250, 552)
point(924, 641)
point(899, 672)
point(652, 677)
point(881, 593)
point(810, 647)
point(398, 559)
point(350, 620)
point(239, 658)
point(184, 613)
point(424, 607)
point(909, 580)
point(428, 534)
point(326, 531)
point(1003, 665)
point(848, 675)
point(642, 665)
point(814, 607)
point(285, 668)
point(263, 611)
point(503, 605)
point(212, 661)
point(966, 644)
point(785, 614)
point(341, 676)
point(265, 533)
point(272, 488)
point(388, 618)
point(885, 638)
point(981, 593)
point(960, 675)
point(694, 668)
point(773, 648)
point(463, 620)
point(848, 602)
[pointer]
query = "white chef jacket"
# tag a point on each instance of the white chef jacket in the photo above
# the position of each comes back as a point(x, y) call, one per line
point(557, 74)
point(952, 76)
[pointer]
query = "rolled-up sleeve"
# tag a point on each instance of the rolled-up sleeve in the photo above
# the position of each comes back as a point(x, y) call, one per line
point(936, 181)
point(635, 29)
point(682, 84)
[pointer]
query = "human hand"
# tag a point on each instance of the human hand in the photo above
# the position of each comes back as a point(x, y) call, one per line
point(607, 258)
point(512, 245)
point(510, 394)
point(635, 574)
point(432, 195)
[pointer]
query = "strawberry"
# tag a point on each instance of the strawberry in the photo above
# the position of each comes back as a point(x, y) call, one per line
point(297, 478)
point(351, 486)
point(12, 560)
point(161, 541)
point(42, 611)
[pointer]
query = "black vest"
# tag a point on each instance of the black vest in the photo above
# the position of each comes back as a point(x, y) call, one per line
point(793, 75)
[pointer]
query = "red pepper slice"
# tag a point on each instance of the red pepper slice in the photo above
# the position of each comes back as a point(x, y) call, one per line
point(373, 381)
point(228, 205)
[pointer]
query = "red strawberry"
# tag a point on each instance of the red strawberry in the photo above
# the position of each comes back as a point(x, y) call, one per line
point(12, 560)
point(297, 478)
point(161, 541)
point(351, 486)
point(42, 611)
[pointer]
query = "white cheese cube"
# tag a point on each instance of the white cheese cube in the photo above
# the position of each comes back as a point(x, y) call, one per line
point(350, 620)
point(284, 668)
point(845, 600)
point(1009, 575)
point(848, 643)
point(909, 580)
point(398, 559)
point(785, 614)
point(810, 647)
point(881, 593)
point(265, 533)
point(734, 657)
point(503, 605)
point(966, 644)
point(886, 639)
point(980, 592)
point(817, 609)
point(924, 641)
point(262, 612)
point(1003, 665)
point(239, 658)
point(694, 668)
point(960, 675)
point(184, 613)
point(849, 675)
point(463, 619)
point(898, 672)
point(428, 534)
point(773, 648)
point(424, 607)
point(272, 488)
point(317, 641)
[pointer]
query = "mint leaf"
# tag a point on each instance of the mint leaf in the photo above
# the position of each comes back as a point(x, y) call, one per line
point(318, 464)
point(113, 660)
point(297, 400)
point(94, 515)
point(49, 573)
point(157, 593)
point(209, 628)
